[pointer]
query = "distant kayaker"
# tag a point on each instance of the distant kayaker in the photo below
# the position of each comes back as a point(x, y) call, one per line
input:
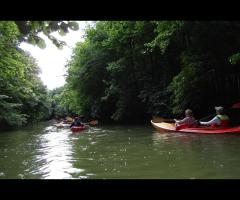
point(77, 122)
point(220, 120)
point(188, 121)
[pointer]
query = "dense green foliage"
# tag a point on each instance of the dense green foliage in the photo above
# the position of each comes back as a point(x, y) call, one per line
point(126, 71)
point(23, 97)
point(29, 31)
point(60, 106)
point(131, 70)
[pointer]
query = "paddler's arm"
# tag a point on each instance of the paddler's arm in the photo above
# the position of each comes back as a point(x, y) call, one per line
point(215, 120)
point(72, 125)
point(181, 121)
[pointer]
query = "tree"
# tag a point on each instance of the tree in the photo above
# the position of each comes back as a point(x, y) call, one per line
point(131, 70)
point(29, 31)
point(23, 97)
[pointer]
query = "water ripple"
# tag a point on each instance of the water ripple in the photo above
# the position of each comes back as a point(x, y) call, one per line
point(55, 155)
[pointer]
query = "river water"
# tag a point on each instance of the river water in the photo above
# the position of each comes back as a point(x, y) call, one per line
point(116, 152)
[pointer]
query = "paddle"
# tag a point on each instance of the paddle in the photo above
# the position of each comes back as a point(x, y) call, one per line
point(61, 125)
point(234, 106)
point(207, 117)
point(93, 122)
point(161, 119)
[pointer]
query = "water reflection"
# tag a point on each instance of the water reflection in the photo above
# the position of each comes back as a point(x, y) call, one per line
point(171, 138)
point(116, 152)
point(55, 155)
point(198, 155)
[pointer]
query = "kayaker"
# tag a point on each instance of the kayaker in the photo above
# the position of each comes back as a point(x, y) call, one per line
point(188, 121)
point(220, 120)
point(77, 122)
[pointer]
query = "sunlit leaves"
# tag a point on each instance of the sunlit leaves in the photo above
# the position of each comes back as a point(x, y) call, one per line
point(73, 26)
point(61, 32)
point(164, 31)
point(30, 31)
point(41, 43)
point(23, 97)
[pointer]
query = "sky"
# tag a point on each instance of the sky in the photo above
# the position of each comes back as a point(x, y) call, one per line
point(52, 60)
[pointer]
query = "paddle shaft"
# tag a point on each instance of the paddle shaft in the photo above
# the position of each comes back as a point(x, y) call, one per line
point(160, 119)
point(93, 122)
point(215, 113)
point(207, 117)
point(212, 115)
point(172, 120)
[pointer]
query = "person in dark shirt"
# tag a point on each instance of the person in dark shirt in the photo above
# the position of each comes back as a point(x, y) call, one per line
point(77, 122)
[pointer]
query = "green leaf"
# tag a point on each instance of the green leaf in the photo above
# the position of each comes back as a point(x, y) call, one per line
point(31, 40)
point(73, 25)
point(61, 32)
point(234, 59)
point(41, 43)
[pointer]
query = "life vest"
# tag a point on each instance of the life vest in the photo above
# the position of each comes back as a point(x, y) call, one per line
point(224, 121)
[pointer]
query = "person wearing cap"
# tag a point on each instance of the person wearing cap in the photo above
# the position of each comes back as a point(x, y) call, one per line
point(220, 120)
point(188, 121)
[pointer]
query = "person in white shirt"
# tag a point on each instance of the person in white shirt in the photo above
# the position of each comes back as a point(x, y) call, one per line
point(220, 120)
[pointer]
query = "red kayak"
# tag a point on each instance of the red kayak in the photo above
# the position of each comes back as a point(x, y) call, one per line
point(163, 126)
point(78, 128)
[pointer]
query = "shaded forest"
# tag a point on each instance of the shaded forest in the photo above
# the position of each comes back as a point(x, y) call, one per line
point(129, 71)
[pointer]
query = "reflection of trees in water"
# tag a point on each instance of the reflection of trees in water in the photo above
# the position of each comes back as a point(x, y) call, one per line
point(201, 154)
point(173, 138)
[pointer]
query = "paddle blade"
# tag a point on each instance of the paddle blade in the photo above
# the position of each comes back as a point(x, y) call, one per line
point(58, 125)
point(94, 122)
point(161, 119)
point(236, 105)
